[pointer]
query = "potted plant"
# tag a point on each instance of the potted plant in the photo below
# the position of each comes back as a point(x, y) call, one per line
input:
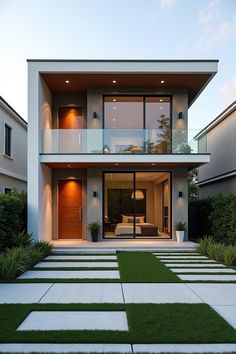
point(94, 228)
point(180, 227)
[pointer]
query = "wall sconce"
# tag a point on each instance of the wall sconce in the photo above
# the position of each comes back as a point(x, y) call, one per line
point(180, 194)
point(180, 115)
point(94, 115)
point(95, 194)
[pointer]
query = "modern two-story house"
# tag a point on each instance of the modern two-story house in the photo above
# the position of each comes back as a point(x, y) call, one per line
point(218, 138)
point(109, 141)
point(13, 149)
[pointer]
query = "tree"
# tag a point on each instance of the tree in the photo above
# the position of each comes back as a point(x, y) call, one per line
point(192, 184)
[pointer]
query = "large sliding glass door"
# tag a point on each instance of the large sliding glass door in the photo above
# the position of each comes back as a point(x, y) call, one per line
point(137, 124)
point(133, 205)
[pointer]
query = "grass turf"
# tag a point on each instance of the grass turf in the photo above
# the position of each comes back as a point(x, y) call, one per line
point(148, 323)
point(144, 267)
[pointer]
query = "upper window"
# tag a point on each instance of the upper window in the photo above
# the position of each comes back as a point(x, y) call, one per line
point(123, 112)
point(8, 140)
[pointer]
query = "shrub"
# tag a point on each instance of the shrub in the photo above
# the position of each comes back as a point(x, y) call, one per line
point(10, 216)
point(204, 243)
point(13, 263)
point(44, 247)
point(229, 256)
point(180, 226)
point(215, 251)
point(223, 218)
point(34, 256)
point(22, 239)
point(215, 216)
point(18, 260)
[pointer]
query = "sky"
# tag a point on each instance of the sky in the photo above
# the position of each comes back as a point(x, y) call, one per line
point(120, 29)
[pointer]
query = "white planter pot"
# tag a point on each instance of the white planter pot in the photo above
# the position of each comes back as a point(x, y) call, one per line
point(179, 236)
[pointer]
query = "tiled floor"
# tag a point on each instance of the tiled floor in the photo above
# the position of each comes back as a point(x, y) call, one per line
point(77, 265)
point(74, 320)
point(72, 274)
point(22, 293)
point(159, 293)
point(84, 293)
point(80, 257)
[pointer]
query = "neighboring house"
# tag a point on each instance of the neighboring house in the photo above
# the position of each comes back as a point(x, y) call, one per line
point(219, 139)
point(13, 149)
point(108, 141)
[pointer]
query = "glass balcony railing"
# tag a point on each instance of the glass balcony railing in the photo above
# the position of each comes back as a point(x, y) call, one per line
point(119, 141)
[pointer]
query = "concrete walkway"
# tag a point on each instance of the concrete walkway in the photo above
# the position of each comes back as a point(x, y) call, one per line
point(221, 297)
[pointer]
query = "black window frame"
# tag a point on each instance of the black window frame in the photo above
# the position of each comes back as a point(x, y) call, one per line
point(7, 140)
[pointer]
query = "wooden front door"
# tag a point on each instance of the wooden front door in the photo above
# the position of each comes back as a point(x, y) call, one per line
point(70, 209)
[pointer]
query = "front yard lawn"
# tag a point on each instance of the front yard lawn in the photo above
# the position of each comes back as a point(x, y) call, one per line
point(149, 323)
point(144, 267)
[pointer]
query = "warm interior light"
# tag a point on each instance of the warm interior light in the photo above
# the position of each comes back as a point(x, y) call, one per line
point(161, 100)
point(153, 164)
point(69, 166)
point(138, 195)
point(117, 164)
point(67, 81)
point(114, 81)
point(114, 100)
point(162, 81)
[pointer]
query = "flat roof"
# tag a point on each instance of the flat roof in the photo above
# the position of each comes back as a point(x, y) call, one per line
point(159, 75)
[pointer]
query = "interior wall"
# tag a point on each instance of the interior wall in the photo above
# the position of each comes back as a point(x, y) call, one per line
point(59, 174)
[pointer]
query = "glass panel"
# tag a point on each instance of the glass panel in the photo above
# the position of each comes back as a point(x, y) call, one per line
point(123, 117)
point(153, 210)
point(118, 205)
point(157, 116)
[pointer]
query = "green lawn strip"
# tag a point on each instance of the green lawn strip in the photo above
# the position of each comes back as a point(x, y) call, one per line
point(148, 323)
point(143, 267)
point(74, 268)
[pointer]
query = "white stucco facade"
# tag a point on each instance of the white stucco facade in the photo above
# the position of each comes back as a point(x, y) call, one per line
point(47, 165)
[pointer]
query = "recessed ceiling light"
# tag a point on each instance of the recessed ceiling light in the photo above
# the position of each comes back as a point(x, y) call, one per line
point(161, 100)
point(69, 166)
point(114, 107)
point(161, 107)
point(113, 127)
point(114, 119)
point(67, 81)
point(162, 81)
point(114, 100)
point(114, 81)
point(153, 164)
point(117, 164)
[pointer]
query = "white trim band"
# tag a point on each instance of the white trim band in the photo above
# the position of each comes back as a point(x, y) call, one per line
point(13, 174)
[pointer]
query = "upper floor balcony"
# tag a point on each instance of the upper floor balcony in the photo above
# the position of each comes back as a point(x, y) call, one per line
point(120, 141)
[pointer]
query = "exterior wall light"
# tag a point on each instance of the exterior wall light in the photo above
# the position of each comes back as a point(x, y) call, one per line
point(180, 115)
point(94, 115)
point(180, 194)
point(95, 194)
